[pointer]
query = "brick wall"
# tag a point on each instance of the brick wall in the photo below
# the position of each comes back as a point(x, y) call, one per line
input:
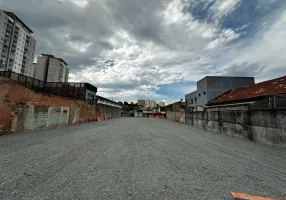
point(23, 110)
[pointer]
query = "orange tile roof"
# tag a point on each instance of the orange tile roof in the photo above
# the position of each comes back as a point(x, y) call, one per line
point(254, 91)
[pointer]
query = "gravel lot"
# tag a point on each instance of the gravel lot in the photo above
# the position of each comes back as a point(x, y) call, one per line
point(131, 158)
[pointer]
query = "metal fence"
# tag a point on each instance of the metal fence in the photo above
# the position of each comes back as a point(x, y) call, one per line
point(91, 101)
point(63, 89)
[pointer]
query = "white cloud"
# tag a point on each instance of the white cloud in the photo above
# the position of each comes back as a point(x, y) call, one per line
point(80, 3)
point(266, 49)
point(127, 45)
point(227, 6)
point(146, 62)
point(80, 46)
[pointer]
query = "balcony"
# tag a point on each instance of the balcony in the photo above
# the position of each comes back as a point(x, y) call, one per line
point(7, 34)
point(6, 44)
point(9, 30)
point(4, 55)
point(10, 25)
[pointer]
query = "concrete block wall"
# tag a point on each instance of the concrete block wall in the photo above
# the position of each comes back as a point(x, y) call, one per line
point(269, 126)
point(176, 116)
point(262, 126)
point(109, 112)
point(23, 110)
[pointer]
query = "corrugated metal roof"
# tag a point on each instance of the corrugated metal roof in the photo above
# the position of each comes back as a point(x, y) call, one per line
point(267, 88)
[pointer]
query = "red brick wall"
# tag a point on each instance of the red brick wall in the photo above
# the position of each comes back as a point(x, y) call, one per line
point(12, 94)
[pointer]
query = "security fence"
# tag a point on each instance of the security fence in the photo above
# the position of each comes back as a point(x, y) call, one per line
point(63, 89)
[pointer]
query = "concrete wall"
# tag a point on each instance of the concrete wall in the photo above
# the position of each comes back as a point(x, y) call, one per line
point(109, 112)
point(178, 116)
point(269, 126)
point(23, 110)
point(262, 126)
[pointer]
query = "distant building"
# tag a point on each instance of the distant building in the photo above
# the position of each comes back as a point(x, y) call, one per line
point(161, 104)
point(51, 69)
point(211, 87)
point(17, 46)
point(264, 95)
point(141, 102)
point(148, 103)
point(151, 103)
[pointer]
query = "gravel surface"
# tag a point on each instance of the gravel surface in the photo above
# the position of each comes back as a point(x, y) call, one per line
point(131, 158)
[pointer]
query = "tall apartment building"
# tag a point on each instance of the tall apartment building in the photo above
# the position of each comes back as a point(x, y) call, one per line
point(51, 69)
point(211, 87)
point(17, 46)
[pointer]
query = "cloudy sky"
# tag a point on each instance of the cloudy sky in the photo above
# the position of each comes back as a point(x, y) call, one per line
point(158, 49)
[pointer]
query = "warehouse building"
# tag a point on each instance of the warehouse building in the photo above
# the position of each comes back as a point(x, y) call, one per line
point(211, 87)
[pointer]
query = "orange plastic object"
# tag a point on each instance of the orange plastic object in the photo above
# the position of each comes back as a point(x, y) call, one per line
point(100, 118)
point(241, 196)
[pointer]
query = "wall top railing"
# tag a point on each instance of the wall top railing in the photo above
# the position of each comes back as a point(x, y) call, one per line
point(70, 90)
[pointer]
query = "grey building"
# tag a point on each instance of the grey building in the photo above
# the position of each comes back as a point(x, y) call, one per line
point(17, 46)
point(211, 87)
point(51, 69)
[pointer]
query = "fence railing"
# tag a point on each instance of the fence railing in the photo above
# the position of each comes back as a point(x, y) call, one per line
point(91, 101)
point(63, 89)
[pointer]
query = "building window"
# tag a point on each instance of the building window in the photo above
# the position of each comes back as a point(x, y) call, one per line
point(199, 94)
point(204, 93)
point(192, 101)
point(90, 96)
point(195, 99)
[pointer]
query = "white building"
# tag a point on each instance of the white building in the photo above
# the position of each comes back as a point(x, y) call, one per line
point(149, 103)
point(161, 104)
point(17, 46)
point(51, 69)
